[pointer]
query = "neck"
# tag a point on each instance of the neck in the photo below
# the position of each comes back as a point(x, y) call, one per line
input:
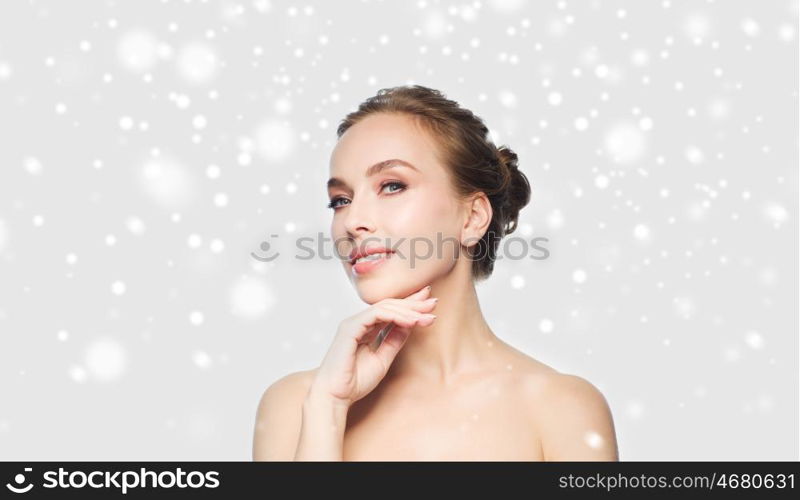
point(458, 342)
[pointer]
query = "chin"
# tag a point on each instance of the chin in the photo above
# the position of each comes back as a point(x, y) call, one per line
point(372, 291)
point(390, 286)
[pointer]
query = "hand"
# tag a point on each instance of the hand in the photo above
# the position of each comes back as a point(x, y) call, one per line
point(351, 369)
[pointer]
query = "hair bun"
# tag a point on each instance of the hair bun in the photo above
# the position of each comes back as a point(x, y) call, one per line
point(508, 157)
point(517, 189)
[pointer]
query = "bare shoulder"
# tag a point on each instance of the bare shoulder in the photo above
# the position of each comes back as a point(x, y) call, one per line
point(291, 383)
point(278, 417)
point(572, 416)
point(570, 413)
point(521, 363)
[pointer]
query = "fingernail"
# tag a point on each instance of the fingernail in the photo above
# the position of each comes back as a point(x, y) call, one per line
point(434, 299)
point(428, 287)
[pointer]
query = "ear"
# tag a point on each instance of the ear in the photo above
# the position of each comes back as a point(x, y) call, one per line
point(478, 216)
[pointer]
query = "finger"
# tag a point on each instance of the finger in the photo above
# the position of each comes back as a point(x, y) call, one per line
point(381, 334)
point(423, 306)
point(363, 326)
point(375, 314)
point(411, 312)
point(418, 319)
point(420, 294)
point(374, 331)
point(395, 341)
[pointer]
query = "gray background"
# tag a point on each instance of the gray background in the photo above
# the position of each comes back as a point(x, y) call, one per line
point(148, 147)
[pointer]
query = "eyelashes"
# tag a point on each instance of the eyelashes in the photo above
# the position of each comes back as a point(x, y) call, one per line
point(333, 203)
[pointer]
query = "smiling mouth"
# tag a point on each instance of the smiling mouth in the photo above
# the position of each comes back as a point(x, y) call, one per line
point(371, 257)
point(370, 264)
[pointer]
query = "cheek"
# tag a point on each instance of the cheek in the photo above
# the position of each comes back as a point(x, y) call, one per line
point(425, 215)
point(430, 228)
point(339, 242)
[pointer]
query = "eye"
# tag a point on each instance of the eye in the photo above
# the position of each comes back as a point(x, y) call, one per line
point(394, 183)
point(334, 202)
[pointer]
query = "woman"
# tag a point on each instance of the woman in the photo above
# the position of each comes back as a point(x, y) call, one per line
point(417, 184)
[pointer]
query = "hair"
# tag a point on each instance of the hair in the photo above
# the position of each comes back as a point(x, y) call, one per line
point(474, 162)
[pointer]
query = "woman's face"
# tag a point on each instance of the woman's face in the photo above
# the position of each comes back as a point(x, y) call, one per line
point(406, 204)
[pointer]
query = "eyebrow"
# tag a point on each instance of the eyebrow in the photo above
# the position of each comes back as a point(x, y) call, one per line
point(374, 170)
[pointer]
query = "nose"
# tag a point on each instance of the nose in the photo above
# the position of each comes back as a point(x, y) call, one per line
point(359, 219)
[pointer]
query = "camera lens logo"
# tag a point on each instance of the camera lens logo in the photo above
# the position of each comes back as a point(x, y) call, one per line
point(20, 479)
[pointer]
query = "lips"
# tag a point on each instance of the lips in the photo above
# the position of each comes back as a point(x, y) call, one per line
point(363, 252)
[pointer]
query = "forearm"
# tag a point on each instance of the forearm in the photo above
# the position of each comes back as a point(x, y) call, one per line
point(322, 430)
